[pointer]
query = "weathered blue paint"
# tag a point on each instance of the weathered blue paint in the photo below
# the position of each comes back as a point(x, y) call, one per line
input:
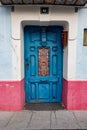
point(43, 88)
point(81, 60)
point(5, 44)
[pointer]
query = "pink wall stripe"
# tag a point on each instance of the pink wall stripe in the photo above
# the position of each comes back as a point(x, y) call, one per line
point(74, 95)
point(12, 95)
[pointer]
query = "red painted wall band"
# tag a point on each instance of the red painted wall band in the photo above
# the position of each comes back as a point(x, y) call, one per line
point(12, 95)
point(74, 95)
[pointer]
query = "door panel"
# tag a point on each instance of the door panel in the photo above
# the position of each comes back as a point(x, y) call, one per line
point(33, 91)
point(32, 65)
point(43, 91)
point(43, 63)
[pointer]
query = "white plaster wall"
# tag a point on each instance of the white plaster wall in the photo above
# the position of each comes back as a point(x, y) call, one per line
point(5, 44)
point(30, 15)
point(81, 59)
point(69, 62)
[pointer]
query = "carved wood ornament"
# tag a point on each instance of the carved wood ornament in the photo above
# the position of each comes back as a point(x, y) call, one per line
point(43, 61)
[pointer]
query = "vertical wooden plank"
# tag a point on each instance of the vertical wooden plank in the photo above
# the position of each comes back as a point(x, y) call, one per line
point(54, 91)
point(32, 65)
point(54, 64)
point(33, 91)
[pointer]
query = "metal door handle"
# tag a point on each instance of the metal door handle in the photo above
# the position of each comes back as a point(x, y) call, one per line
point(27, 65)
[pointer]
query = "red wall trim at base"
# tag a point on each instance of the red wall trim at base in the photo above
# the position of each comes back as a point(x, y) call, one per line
point(12, 95)
point(74, 95)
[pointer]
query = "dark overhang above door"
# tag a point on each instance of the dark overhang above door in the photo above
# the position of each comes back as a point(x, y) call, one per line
point(51, 2)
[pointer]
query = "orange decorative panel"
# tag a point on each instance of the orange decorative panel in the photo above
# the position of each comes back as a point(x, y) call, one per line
point(65, 38)
point(43, 61)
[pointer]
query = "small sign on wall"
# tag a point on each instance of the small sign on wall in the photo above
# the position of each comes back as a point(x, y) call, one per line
point(44, 10)
point(85, 37)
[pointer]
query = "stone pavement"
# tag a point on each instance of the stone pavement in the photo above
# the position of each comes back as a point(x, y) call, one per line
point(28, 120)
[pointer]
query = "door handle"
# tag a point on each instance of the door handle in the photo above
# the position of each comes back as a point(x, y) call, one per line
point(27, 65)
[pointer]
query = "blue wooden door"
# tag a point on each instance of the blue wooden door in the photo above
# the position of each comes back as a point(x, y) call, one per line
point(43, 63)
